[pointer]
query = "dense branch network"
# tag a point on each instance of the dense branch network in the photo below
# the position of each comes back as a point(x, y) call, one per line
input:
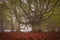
point(36, 9)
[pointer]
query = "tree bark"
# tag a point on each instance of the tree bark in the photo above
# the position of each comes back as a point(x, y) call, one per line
point(36, 28)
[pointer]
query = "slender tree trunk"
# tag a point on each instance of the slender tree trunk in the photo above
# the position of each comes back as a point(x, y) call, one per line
point(12, 24)
point(39, 27)
point(1, 25)
point(18, 27)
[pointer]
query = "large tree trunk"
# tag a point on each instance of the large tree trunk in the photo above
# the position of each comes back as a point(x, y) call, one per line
point(36, 28)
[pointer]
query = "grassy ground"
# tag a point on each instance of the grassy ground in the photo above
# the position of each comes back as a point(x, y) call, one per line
point(30, 36)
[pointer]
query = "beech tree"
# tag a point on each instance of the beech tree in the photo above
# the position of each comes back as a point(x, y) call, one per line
point(33, 12)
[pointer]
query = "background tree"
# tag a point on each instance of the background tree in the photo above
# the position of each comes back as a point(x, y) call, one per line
point(35, 11)
point(3, 15)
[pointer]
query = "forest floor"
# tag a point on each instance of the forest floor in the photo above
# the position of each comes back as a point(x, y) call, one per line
point(30, 36)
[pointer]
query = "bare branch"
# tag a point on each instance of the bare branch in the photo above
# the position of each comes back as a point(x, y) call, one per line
point(45, 19)
point(50, 9)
